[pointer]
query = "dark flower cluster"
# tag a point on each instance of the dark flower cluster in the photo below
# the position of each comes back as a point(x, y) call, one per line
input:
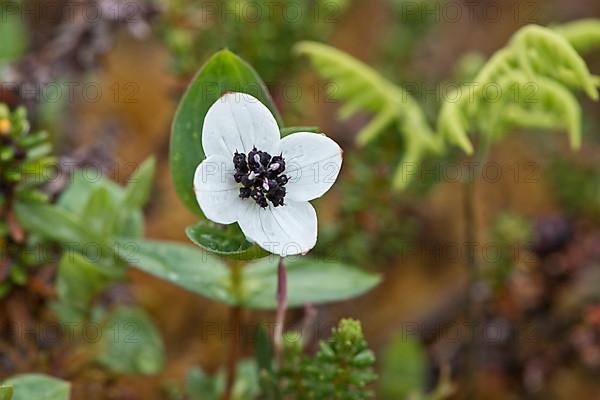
point(261, 177)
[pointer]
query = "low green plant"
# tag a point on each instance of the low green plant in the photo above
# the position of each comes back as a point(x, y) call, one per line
point(342, 368)
point(23, 155)
point(84, 213)
point(89, 212)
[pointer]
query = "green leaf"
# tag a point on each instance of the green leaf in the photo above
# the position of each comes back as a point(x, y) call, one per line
point(128, 219)
point(38, 387)
point(6, 392)
point(126, 222)
point(78, 281)
point(224, 72)
point(12, 27)
point(83, 183)
point(309, 280)
point(99, 210)
point(184, 266)
point(403, 367)
point(131, 343)
point(130, 225)
point(39, 165)
point(228, 242)
point(59, 225)
point(139, 187)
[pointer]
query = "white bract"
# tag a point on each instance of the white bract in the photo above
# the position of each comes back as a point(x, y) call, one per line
point(267, 189)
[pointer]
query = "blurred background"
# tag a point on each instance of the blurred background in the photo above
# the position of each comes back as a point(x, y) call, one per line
point(538, 223)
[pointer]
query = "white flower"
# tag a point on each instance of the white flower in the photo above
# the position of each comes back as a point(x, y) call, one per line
point(264, 183)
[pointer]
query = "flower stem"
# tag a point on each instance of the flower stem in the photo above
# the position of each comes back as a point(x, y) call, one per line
point(281, 308)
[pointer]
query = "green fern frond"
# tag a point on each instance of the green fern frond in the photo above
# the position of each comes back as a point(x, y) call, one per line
point(453, 123)
point(502, 62)
point(533, 76)
point(417, 147)
point(541, 51)
point(584, 35)
point(381, 121)
point(543, 59)
point(358, 85)
point(543, 104)
point(361, 88)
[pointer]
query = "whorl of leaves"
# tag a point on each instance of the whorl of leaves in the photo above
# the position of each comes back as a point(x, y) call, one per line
point(342, 369)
